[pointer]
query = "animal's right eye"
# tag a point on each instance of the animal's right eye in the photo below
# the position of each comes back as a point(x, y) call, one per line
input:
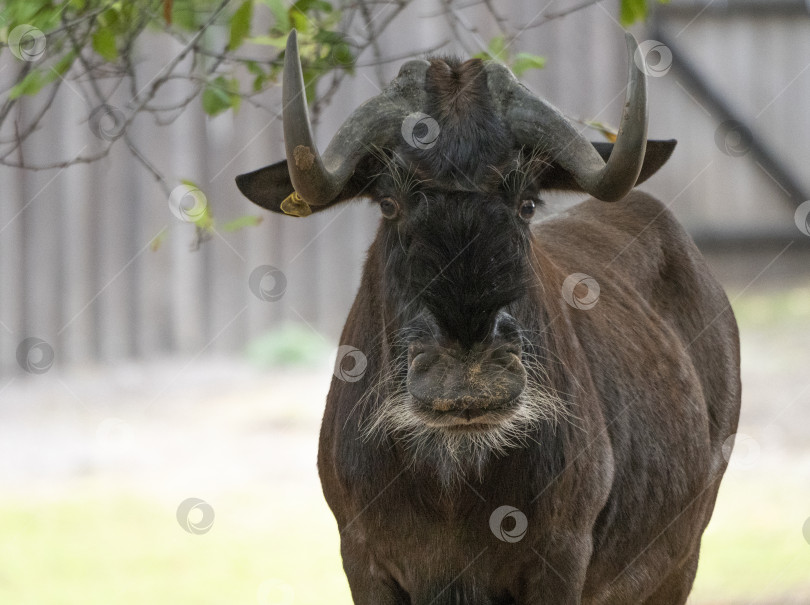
point(527, 208)
point(389, 207)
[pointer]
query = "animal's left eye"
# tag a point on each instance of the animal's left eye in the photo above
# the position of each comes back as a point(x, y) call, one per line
point(526, 210)
point(389, 207)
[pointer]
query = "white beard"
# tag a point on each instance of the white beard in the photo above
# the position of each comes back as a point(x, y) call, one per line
point(460, 451)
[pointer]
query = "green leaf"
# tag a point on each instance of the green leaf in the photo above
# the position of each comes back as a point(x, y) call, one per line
point(31, 84)
point(110, 17)
point(300, 22)
point(311, 76)
point(215, 100)
point(632, 11)
point(280, 14)
point(309, 5)
point(201, 209)
point(329, 37)
point(497, 48)
point(526, 61)
point(342, 56)
point(37, 79)
point(242, 222)
point(104, 44)
point(63, 64)
point(276, 41)
point(220, 95)
point(236, 98)
point(240, 24)
point(185, 15)
point(254, 68)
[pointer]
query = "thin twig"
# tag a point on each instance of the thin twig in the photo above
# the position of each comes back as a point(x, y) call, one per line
point(561, 13)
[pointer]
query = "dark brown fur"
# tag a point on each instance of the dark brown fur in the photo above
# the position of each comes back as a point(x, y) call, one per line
point(618, 497)
point(618, 476)
point(459, 88)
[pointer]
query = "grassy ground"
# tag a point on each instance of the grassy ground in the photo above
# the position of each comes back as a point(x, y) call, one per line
point(93, 547)
point(97, 548)
point(91, 525)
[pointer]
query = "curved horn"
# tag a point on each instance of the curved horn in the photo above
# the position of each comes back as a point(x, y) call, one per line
point(537, 123)
point(319, 179)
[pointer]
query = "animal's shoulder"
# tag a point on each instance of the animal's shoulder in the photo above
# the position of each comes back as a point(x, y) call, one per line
point(635, 233)
point(639, 216)
point(636, 243)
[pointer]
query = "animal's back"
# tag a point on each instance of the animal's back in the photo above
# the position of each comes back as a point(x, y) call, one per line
point(663, 349)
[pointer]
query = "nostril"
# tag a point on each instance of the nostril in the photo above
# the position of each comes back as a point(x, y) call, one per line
point(513, 348)
point(414, 350)
point(418, 363)
point(505, 352)
point(422, 359)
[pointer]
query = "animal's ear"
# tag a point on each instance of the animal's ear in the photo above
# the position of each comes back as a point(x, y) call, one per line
point(270, 187)
point(658, 152)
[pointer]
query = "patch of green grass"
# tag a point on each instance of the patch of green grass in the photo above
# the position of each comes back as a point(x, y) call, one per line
point(91, 546)
point(772, 309)
point(754, 550)
point(121, 548)
point(289, 345)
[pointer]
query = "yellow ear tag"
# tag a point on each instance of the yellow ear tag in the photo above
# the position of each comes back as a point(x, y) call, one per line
point(294, 205)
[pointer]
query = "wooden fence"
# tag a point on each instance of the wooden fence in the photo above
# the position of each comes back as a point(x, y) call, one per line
point(77, 264)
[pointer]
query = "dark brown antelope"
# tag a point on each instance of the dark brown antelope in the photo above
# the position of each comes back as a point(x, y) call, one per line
point(543, 407)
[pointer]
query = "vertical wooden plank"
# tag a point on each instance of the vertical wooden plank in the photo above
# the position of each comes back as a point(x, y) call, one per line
point(11, 268)
point(115, 186)
point(187, 264)
point(78, 321)
point(12, 272)
point(224, 291)
point(152, 297)
point(346, 231)
point(259, 143)
point(41, 218)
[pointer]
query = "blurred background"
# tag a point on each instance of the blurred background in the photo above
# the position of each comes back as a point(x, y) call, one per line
point(162, 377)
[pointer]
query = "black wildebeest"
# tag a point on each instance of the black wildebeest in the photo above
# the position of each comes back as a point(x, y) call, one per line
point(515, 438)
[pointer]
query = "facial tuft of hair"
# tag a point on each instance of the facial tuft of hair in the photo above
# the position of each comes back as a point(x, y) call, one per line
point(458, 88)
point(472, 136)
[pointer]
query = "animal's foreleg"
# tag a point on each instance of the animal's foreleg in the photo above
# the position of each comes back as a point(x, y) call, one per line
point(557, 576)
point(369, 585)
